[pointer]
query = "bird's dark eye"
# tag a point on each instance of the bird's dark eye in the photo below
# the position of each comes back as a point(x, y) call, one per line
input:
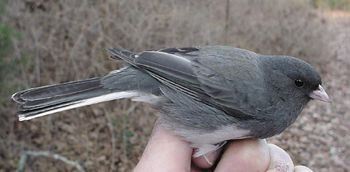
point(299, 83)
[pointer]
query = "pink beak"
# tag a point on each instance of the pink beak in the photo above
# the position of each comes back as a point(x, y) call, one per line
point(320, 94)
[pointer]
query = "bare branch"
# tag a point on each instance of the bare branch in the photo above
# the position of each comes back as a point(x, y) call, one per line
point(26, 154)
point(111, 129)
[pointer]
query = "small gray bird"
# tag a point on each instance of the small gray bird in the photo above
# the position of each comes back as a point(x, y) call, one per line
point(207, 95)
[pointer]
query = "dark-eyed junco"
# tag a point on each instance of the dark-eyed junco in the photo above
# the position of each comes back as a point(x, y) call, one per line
point(207, 95)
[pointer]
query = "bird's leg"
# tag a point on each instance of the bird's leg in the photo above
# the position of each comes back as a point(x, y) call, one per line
point(201, 150)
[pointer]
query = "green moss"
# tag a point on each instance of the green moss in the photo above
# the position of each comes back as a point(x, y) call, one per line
point(2, 6)
point(6, 34)
point(333, 4)
point(10, 67)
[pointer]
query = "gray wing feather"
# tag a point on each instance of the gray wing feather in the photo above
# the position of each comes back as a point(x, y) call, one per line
point(183, 111)
point(130, 78)
point(167, 64)
point(196, 80)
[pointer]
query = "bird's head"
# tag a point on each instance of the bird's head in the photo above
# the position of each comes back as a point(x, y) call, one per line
point(297, 77)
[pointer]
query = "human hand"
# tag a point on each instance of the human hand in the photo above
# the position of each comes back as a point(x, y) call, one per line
point(167, 152)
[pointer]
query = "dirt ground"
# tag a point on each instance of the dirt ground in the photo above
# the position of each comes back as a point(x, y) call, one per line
point(64, 41)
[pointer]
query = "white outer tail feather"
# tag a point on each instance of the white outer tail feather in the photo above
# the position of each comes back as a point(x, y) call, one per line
point(90, 101)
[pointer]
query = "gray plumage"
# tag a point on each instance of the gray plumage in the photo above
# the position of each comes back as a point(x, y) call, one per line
point(207, 94)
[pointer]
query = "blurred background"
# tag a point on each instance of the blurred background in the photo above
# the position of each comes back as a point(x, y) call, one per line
point(45, 42)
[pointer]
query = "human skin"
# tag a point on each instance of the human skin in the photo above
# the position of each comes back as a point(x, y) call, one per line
point(167, 152)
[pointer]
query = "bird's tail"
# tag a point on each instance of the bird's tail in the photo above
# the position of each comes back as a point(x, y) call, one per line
point(40, 101)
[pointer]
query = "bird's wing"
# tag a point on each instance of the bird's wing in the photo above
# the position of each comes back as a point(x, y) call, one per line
point(180, 69)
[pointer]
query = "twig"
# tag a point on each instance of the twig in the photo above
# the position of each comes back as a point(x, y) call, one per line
point(227, 17)
point(111, 129)
point(25, 154)
point(131, 108)
point(37, 60)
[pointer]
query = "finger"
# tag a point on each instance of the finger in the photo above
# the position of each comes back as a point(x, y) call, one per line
point(245, 155)
point(301, 168)
point(279, 160)
point(165, 152)
point(207, 160)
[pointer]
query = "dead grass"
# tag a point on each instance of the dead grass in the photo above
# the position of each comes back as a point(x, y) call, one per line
point(66, 40)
